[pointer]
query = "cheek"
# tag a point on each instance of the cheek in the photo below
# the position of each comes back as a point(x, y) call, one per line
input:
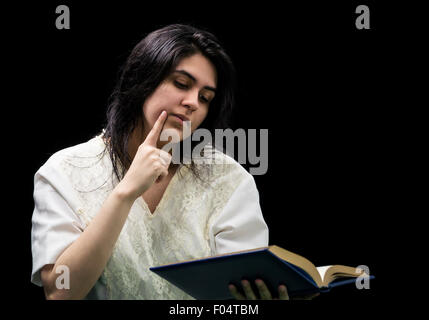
point(159, 100)
point(149, 111)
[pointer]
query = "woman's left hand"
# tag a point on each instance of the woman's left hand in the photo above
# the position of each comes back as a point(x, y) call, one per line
point(264, 292)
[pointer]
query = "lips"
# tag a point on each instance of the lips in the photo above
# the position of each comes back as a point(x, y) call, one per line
point(181, 117)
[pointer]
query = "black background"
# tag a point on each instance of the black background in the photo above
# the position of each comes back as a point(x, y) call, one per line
point(305, 73)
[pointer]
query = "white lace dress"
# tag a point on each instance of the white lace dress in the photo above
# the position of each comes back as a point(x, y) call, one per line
point(194, 219)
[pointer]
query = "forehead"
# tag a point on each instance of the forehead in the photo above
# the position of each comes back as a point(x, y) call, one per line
point(200, 68)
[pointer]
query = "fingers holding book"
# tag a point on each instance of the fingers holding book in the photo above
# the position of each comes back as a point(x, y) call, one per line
point(247, 292)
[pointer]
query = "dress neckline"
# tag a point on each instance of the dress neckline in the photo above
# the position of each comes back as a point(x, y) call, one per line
point(141, 201)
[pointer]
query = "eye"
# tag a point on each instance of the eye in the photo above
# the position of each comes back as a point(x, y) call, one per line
point(204, 99)
point(180, 84)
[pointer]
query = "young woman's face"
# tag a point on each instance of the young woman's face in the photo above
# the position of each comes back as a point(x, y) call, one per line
point(185, 95)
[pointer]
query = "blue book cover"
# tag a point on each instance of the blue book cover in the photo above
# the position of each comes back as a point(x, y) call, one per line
point(208, 278)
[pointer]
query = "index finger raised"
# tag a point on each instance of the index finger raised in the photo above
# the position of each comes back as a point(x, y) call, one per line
point(154, 133)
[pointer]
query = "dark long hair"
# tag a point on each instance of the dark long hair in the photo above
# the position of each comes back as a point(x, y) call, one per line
point(149, 63)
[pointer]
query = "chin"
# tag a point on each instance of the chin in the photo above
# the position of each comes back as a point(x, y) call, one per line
point(171, 134)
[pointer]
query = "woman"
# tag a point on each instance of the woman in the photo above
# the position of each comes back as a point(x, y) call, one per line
point(112, 207)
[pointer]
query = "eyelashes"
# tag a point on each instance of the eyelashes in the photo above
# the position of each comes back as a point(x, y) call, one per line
point(181, 85)
point(185, 86)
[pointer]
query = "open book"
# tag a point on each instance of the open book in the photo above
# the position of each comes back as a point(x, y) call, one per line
point(208, 278)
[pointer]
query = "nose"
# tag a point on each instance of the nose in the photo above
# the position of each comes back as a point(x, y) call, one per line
point(190, 101)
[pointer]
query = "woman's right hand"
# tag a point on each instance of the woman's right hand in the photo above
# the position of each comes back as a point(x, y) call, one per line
point(148, 164)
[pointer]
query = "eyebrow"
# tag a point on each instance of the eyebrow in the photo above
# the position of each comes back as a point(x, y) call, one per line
point(194, 79)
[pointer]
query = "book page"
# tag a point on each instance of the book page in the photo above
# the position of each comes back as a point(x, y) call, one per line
point(298, 261)
point(331, 273)
point(322, 271)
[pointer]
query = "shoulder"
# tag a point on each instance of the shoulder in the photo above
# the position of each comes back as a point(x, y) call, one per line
point(86, 150)
point(219, 167)
point(86, 160)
